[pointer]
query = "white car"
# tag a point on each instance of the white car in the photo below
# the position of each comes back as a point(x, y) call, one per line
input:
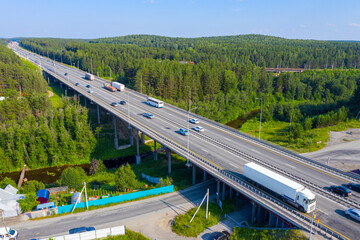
point(198, 129)
point(183, 131)
point(354, 213)
point(8, 234)
point(91, 91)
point(194, 120)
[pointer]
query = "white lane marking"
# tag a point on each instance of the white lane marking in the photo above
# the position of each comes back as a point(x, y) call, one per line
point(233, 165)
point(319, 210)
point(290, 165)
point(205, 150)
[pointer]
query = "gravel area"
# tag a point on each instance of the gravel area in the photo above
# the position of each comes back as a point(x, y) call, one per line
point(342, 151)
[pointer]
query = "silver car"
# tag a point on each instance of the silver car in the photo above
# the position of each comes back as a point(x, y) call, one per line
point(354, 213)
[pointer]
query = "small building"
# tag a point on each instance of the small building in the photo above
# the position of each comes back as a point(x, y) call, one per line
point(9, 201)
point(57, 190)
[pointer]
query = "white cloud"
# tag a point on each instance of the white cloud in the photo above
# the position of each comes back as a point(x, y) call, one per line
point(150, 1)
point(354, 24)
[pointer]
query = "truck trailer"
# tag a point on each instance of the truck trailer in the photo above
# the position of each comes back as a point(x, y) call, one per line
point(109, 87)
point(288, 190)
point(118, 86)
point(89, 76)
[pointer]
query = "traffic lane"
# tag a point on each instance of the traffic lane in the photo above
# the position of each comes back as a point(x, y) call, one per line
point(332, 215)
point(110, 216)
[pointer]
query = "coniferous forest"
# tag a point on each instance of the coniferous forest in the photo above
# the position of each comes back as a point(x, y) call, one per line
point(32, 130)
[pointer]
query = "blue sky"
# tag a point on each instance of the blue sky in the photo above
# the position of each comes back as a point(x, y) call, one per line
point(301, 19)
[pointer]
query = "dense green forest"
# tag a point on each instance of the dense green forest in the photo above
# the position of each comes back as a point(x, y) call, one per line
point(32, 130)
point(226, 75)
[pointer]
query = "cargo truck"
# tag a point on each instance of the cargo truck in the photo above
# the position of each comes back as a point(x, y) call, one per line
point(288, 190)
point(109, 87)
point(89, 76)
point(118, 86)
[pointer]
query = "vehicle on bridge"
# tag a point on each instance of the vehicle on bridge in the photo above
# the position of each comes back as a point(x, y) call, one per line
point(354, 186)
point(183, 131)
point(194, 121)
point(149, 115)
point(343, 191)
point(154, 102)
point(89, 76)
point(118, 86)
point(107, 86)
point(354, 213)
point(288, 190)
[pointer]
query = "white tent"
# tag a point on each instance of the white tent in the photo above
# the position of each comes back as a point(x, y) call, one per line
point(8, 201)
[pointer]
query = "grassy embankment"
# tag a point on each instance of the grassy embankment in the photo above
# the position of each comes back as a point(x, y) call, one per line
point(278, 132)
point(248, 233)
point(129, 235)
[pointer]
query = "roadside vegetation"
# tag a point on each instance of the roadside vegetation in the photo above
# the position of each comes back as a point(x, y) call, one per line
point(268, 234)
point(183, 227)
point(129, 235)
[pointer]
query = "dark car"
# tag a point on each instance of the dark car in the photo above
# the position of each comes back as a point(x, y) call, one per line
point(343, 191)
point(77, 84)
point(224, 235)
point(122, 102)
point(66, 74)
point(88, 86)
point(81, 229)
point(114, 104)
point(354, 186)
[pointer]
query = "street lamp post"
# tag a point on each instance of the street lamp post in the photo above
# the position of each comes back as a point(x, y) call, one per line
point(260, 116)
point(188, 122)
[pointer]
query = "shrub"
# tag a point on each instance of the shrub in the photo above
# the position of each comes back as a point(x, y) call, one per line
point(7, 181)
point(73, 177)
point(125, 178)
point(32, 187)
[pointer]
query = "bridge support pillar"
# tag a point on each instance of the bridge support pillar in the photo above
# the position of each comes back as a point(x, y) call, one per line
point(85, 100)
point(204, 176)
point(142, 138)
point(282, 224)
point(116, 141)
point(230, 193)
point(277, 221)
point(259, 215)
point(155, 151)
point(193, 175)
point(138, 158)
point(217, 190)
point(98, 113)
point(131, 136)
point(270, 215)
point(168, 153)
point(223, 191)
point(253, 212)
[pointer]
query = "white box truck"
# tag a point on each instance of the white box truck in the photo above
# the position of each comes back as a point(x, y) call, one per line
point(89, 76)
point(289, 191)
point(118, 86)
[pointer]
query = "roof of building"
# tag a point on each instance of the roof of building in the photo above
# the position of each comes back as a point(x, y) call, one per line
point(9, 188)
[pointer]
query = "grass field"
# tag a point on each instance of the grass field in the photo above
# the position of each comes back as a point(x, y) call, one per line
point(278, 132)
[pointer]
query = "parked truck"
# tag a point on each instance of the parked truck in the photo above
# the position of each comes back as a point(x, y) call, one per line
point(288, 190)
point(89, 76)
point(109, 87)
point(118, 86)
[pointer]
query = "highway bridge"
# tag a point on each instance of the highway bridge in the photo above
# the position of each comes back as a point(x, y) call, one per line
point(222, 152)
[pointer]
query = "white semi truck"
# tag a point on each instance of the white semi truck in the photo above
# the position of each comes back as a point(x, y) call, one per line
point(290, 191)
point(118, 86)
point(89, 76)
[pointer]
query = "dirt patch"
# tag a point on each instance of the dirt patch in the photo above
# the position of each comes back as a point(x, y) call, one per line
point(341, 152)
point(50, 93)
